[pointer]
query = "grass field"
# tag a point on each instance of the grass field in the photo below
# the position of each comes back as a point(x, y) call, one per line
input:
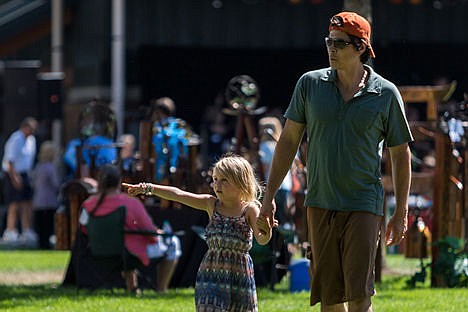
point(30, 281)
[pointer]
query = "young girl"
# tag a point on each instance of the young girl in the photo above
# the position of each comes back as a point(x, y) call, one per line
point(225, 279)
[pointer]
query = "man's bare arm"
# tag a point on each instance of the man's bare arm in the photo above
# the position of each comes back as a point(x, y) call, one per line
point(285, 152)
point(400, 157)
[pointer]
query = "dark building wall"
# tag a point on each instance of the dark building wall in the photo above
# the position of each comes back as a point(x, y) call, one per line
point(266, 24)
point(423, 23)
point(87, 42)
point(275, 26)
point(188, 49)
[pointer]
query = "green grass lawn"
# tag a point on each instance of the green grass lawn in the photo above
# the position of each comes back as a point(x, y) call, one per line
point(392, 293)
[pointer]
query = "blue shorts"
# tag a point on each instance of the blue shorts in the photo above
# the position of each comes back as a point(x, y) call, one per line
point(14, 195)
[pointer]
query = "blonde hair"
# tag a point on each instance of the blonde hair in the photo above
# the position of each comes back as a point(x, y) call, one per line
point(238, 171)
point(47, 152)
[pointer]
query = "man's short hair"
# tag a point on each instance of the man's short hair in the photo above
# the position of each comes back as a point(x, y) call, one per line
point(30, 122)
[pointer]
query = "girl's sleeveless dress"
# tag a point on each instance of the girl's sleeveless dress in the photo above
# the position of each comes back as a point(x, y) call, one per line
point(225, 279)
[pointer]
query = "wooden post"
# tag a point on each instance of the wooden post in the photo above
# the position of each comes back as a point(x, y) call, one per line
point(75, 192)
point(146, 150)
point(439, 224)
point(465, 197)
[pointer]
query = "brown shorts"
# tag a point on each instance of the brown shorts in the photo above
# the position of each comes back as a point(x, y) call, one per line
point(344, 246)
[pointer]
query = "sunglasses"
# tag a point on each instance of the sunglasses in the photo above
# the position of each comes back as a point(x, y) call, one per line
point(337, 43)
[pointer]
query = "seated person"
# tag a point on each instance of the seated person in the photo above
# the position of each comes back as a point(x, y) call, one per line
point(109, 198)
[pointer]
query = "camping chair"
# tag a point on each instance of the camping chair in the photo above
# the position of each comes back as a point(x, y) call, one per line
point(107, 252)
point(106, 249)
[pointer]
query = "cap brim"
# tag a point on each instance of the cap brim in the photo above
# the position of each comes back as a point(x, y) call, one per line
point(372, 54)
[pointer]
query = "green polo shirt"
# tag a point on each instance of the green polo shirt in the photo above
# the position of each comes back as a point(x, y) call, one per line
point(345, 140)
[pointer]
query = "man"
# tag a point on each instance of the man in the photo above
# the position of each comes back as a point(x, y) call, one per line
point(348, 112)
point(18, 161)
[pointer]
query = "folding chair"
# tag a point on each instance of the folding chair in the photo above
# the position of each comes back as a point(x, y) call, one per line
point(100, 256)
point(107, 248)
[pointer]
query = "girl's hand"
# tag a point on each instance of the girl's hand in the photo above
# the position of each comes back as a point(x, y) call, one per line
point(134, 189)
point(268, 226)
point(263, 224)
point(265, 229)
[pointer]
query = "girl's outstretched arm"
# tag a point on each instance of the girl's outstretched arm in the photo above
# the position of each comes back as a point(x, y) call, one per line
point(260, 226)
point(198, 201)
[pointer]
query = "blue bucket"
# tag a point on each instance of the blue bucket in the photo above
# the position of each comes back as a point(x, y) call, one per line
point(299, 279)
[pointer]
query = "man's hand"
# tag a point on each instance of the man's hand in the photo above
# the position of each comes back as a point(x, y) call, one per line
point(16, 181)
point(396, 229)
point(268, 213)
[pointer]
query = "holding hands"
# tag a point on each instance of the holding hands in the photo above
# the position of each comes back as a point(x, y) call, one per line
point(266, 221)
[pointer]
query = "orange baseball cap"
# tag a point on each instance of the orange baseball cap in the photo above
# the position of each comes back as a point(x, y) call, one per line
point(353, 24)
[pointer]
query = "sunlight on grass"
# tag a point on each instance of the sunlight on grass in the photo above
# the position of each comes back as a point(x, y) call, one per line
point(392, 294)
point(37, 260)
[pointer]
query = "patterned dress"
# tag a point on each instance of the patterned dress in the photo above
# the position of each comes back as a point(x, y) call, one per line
point(225, 279)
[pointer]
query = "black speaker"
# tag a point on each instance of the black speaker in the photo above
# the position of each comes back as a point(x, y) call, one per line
point(50, 93)
point(20, 90)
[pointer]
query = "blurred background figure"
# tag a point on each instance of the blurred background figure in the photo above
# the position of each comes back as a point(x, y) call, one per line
point(46, 184)
point(269, 132)
point(128, 157)
point(170, 139)
point(96, 141)
point(69, 159)
point(216, 131)
point(18, 161)
point(127, 151)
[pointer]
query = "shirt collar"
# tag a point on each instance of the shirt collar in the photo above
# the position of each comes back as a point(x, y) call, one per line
point(373, 85)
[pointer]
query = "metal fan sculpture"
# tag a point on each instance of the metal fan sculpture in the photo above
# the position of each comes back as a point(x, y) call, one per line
point(242, 95)
point(97, 118)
